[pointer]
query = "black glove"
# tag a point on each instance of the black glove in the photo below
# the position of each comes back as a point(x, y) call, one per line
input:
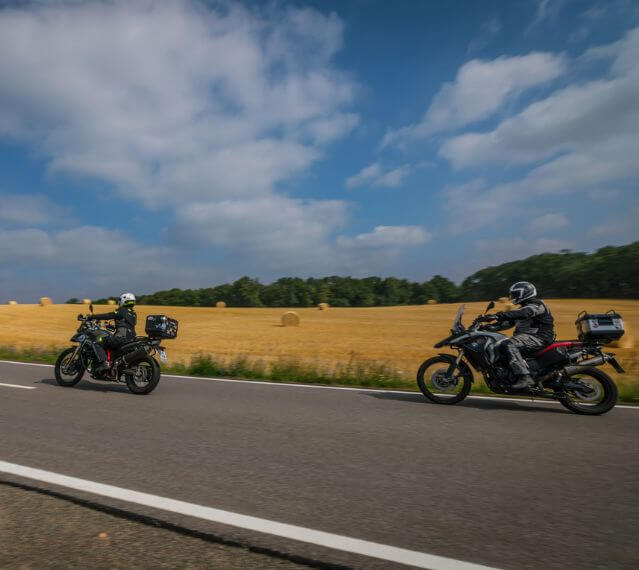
point(485, 318)
point(500, 316)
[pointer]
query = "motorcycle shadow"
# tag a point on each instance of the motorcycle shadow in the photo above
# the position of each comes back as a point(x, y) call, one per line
point(89, 385)
point(477, 403)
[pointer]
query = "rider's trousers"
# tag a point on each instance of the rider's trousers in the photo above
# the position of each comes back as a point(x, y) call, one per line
point(520, 344)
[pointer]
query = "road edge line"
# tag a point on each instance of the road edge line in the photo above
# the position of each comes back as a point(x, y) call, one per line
point(265, 526)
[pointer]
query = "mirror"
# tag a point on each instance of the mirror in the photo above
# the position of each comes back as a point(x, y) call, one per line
point(490, 306)
point(91, 307)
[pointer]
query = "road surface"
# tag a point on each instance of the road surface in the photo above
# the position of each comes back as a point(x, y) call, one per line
point(496, 483)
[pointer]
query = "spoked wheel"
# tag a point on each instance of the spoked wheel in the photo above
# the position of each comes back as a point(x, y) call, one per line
point(144, 376)
point(440, 387)
point(68, 370)
point(590, 392)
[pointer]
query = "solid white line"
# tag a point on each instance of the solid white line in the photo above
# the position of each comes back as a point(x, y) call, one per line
point(17, 386)
point(329, 540)
point(323, 387)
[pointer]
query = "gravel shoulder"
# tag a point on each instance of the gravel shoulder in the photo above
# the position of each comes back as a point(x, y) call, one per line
point(40, 531)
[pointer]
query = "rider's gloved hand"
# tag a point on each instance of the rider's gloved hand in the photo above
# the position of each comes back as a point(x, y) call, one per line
point(486, 318)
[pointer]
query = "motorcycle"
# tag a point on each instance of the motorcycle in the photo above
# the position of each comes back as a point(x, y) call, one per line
point(133, 364)
point(565, 371)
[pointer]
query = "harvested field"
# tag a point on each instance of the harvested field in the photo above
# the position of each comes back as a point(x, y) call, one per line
point(401, 337)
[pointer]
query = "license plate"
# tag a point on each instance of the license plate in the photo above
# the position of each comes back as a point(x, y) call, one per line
point(163, 357)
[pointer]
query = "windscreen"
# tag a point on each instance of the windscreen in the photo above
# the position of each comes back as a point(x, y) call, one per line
point(460, 313)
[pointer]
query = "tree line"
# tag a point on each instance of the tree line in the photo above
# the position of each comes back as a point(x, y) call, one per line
point(610, 272)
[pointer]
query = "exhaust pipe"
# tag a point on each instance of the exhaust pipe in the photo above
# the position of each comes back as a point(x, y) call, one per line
point(132, 357)
point(578, 367)
point(594, 361)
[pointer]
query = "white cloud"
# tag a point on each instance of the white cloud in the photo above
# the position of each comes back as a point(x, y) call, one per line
point(386, 237)
point(494, 252)
point(479, 90)
point(487, 32)
point(183, 105)
point(374, 175)
point(582, 138)
point(31, 210)
point(550, 222)
point(37, 262)
point(290, 234)
point(572, 119)
point(546, 10)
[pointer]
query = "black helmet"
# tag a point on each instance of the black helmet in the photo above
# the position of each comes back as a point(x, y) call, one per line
point(522, 291)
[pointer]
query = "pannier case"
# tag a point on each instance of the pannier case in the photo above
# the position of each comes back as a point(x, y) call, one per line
point(161, 326)
point(599, 328)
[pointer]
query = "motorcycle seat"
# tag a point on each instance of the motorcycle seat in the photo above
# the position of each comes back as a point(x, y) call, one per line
point(558, 344)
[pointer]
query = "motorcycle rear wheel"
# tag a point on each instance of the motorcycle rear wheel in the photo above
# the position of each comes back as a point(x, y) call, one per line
point(146, 378)
point(434, 384)
point(603, 398)
point(62, 375)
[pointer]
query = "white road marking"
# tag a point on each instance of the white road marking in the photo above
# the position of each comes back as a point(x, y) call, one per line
point(326, 539)
point(324, 387)
point(17, 386)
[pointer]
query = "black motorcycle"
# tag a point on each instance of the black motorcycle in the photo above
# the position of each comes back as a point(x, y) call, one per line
point(133, 363)
point(564, 371)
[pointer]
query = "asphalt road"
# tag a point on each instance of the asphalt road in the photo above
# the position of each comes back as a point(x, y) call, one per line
point(504, 484)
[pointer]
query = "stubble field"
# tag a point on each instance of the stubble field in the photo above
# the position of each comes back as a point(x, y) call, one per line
point(399, 338)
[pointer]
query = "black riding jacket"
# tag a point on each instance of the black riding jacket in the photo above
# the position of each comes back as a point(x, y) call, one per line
point(125, 320)
point(532, 318)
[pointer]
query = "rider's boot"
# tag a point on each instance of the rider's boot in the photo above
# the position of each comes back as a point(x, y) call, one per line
point(523, 381)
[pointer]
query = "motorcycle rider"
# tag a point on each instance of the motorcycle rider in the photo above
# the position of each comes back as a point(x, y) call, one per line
point(534, 329)
point(125, 320)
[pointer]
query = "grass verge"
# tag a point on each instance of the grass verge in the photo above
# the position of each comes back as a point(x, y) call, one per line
point(354, 373)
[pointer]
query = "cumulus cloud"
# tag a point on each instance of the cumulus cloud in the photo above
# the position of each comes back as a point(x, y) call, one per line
point(498, 251)
point(180, 104)
point(383, 237)
point(548, 223)
point(571, 119)
point(103, 261)
point(290, 234)
point(581, 138)
point(374, 175)
point(31, 210)
point(479, 90)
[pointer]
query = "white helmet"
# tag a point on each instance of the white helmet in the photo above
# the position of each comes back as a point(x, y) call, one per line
point(127, 299)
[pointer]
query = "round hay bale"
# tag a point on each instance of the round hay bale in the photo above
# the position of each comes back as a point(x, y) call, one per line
point(44, 301)
point(220, 305)
point(111, 302)
point(290, 319)
point(86, 301)
point(626, 341)
point(431, 301)
point(323, 306)
point(12, 303)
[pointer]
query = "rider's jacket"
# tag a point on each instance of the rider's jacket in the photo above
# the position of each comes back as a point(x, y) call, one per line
point(125, 320)
point(533, 318)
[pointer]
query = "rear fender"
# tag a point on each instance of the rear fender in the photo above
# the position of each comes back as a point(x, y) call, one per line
point(463, 366)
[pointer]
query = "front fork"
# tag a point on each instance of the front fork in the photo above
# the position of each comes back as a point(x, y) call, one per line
point(453, 365)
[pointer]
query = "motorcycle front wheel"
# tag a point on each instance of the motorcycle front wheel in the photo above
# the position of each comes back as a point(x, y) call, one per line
point(144, 376)
point(438, 387)
point(590, 392)
point(68, 371)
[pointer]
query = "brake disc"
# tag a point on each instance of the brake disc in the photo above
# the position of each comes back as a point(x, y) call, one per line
point(591, 394)
point(441, 381)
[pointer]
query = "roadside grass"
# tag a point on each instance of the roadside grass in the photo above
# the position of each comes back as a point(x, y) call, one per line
point(356, 372)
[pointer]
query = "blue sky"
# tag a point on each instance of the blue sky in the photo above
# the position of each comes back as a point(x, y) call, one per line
point(147, 145)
